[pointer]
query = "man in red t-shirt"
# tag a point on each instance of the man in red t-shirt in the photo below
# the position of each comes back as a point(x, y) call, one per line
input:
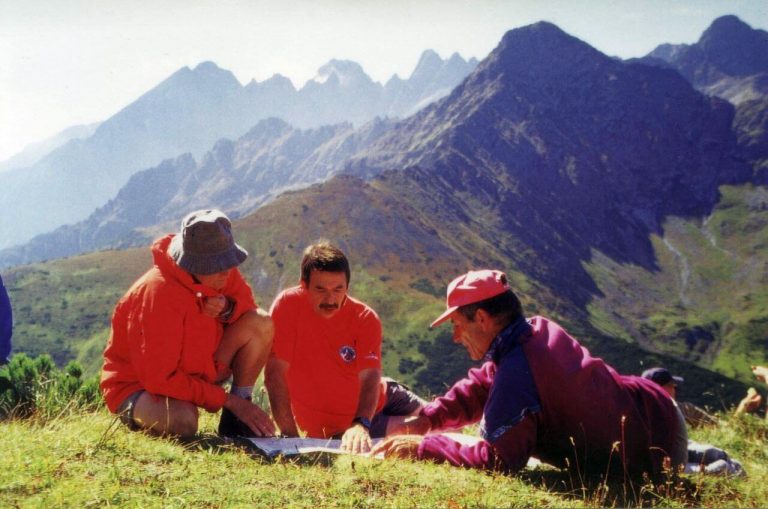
point(324, 374)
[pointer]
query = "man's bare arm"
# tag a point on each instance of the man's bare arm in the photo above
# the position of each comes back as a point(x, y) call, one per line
point(276, 382)
point(357, 438)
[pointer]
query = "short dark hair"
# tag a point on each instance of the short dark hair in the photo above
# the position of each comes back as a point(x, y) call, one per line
point(503, 308)
point(322, 255)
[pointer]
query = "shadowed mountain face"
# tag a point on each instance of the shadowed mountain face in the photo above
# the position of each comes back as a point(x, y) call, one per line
point(551, 149)
point(189, 112)
point(751, 126)
point(730, 60)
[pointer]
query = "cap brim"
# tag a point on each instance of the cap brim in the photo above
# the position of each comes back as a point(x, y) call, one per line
point(678, 379)
point(440, 319)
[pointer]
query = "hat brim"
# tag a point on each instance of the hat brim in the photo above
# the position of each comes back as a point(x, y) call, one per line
point(442, 318)
point(206, 264)
point(678, 379)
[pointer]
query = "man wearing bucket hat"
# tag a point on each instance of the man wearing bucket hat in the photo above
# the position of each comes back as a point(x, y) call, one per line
point(183, 328)
point(538, 394)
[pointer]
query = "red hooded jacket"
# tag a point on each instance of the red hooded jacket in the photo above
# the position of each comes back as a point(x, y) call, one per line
point(161, 342)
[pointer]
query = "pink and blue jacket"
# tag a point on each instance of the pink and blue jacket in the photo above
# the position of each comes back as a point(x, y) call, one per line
point(541, 394)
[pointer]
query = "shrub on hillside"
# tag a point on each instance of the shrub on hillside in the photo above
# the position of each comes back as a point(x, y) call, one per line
point(35, 386)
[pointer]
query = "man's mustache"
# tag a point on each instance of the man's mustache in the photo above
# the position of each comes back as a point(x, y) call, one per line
point(329, 306)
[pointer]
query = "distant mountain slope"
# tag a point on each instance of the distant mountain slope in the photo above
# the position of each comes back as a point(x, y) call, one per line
point(730, 60)
point(33, 152)
point(189, 112)
point(236, 176)
point(186, 112)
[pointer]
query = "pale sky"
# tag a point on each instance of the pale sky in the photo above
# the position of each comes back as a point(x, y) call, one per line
point(69, 62)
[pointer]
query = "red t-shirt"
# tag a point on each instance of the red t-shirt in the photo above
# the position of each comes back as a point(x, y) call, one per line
point(326, 356)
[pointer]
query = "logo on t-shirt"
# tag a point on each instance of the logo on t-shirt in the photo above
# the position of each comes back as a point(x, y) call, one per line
point(347, 353)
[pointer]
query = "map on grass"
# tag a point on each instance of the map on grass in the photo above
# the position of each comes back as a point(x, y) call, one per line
point(271, 447)
point(274, 446)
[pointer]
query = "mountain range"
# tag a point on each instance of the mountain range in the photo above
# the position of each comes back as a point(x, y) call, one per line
point(237, 176)
point(620, 200)
point(189, 112)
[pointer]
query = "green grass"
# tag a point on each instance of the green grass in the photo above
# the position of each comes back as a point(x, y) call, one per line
point(707, 301)
point(86, 460)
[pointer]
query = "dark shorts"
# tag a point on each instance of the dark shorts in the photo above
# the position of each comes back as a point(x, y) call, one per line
point(401, 400)
point(125, 411)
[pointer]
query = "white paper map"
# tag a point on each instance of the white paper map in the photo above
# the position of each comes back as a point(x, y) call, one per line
point(272, 446)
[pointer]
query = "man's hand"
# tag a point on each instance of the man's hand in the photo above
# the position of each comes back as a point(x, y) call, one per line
point(401, 446)
point(408, 425)
point(213, 306)
point(251, 415)
point(356, 440)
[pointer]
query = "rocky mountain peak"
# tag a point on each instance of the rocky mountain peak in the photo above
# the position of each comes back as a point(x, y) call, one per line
point(346, 72)
point(734, 47)
point(277, 83)
point(539, 50)
point(724, 62)
point(429, 62)
point(211, 73)
point(725, 26)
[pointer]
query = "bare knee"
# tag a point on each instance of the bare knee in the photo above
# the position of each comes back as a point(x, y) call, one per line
point(260, 324)
point(184, 422)
point(162, 416)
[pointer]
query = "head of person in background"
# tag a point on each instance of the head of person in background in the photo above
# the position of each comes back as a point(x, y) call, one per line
point(664, 378)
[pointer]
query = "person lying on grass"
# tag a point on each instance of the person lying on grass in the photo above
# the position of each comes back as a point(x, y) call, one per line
point(702, 457)
point(184, 327)
point(539, 394)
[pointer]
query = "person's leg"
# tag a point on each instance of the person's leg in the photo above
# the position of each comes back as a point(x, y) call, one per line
point(245, 346)
point(401, 401)
point(161, 415)
point(244, 349)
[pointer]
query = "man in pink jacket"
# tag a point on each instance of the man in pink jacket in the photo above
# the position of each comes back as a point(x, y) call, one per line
point(538, 394)
point(181, 330)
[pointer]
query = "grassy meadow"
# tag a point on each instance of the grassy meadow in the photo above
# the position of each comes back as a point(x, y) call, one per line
point(86, 459)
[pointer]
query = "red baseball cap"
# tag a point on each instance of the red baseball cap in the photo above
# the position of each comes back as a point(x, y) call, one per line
point(474, 286)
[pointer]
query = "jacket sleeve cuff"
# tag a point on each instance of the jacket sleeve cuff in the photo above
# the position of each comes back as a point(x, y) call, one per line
point(441, 448)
